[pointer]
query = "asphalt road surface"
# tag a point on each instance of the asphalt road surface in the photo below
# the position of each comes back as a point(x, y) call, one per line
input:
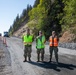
point(66, 66)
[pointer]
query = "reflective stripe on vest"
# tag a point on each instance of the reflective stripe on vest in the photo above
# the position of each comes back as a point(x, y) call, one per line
point(55, 43)
point(27, 40)
point(40, 44)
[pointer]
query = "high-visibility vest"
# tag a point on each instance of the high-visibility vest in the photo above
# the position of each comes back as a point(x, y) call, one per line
point(27, 39)
point(53, 41)
point(40, 43)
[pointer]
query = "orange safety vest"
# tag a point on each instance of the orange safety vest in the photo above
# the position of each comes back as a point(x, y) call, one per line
point(53, 42)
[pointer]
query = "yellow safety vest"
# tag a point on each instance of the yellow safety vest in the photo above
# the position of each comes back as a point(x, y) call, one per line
point(40, 43)
point(27, 39)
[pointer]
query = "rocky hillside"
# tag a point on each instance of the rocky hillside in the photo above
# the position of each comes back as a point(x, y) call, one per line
point(21, 31)
point(68, 37)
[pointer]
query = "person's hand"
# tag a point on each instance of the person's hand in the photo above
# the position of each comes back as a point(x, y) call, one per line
point(24, 42)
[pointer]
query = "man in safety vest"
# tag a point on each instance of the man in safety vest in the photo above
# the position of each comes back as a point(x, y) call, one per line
point(27, 39)
point(54, 45)
point(40, 45)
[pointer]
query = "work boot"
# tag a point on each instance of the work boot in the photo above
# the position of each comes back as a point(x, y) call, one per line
point(57, 60)
point(42, 57)
point(50, 60)
point(25, 60)
point(29, 59)
point(42, 60)
point(38, 58)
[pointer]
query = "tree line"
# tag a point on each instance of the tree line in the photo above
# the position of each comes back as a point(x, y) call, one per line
point(19, 21)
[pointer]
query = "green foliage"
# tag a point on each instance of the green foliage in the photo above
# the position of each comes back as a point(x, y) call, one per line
point(48, 16)
point(38, 13)
point(73, 29)
point(69, 18)
point(45, 15)
point(33, 26)
point(34, 14)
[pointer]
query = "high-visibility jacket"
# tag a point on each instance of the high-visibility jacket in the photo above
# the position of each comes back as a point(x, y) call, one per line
point(40, 43)
point(53, 41)
point(27, 39)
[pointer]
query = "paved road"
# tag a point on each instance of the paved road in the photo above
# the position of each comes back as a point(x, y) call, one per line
point(67, 61)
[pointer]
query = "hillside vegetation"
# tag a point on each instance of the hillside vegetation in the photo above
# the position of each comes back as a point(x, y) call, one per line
point(48, 15)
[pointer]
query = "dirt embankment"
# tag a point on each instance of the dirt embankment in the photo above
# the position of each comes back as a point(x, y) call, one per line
point(20, 32)
point(67, 37)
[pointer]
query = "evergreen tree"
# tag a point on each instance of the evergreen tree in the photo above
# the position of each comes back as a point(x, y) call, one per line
point(36, 3)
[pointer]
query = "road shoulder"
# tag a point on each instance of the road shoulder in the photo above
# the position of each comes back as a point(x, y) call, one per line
point(5, 60)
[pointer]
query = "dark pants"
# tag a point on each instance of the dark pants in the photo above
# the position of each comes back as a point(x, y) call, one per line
point(27, 52)
point(40, 51)
point(55, 49)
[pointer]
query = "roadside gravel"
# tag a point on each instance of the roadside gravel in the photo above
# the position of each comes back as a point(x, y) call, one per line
point(5, 60)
